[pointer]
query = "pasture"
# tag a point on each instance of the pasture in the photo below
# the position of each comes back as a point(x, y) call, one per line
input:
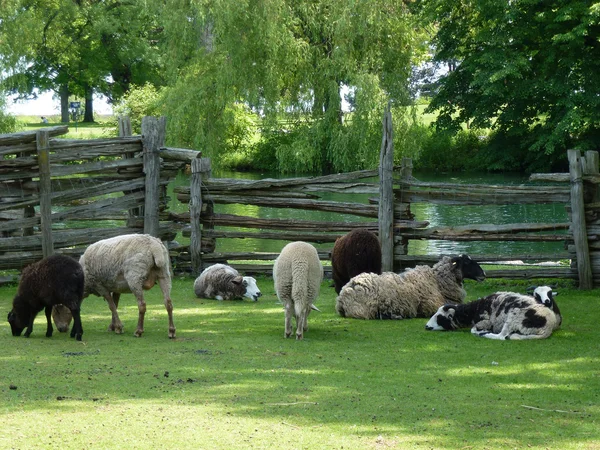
point(230, 379)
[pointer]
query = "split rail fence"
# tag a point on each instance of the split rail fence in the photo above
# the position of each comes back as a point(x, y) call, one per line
point(52, 189)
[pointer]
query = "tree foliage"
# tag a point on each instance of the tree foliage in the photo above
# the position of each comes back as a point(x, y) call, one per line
point(528, 69)
point(288, 60)
point(77, 47)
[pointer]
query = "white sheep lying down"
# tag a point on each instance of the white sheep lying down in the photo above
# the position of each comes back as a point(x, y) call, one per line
point(223, 282)
point(502, 315)
point(128, 263)
point(417, 292)
point(297, 274)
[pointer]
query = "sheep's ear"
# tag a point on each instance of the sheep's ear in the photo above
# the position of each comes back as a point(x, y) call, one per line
point(313, 307)
point(237, 280)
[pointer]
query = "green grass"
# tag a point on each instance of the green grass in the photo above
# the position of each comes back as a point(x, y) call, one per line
point(102, 128)
point(230, 380)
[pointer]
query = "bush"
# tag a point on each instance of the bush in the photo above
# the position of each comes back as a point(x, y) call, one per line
point(138, 102)
point(8, 122)
point(449, 152)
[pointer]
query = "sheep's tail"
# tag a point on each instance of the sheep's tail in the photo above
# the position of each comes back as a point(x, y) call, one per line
point(161, 258)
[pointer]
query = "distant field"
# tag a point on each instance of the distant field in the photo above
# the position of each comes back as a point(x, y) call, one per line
point(103, 126)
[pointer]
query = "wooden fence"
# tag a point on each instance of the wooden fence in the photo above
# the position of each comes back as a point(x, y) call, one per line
point(61, 194)
point(52, 189)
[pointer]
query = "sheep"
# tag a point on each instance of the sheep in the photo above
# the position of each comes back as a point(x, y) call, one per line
point(54, 280)
point(223, 282)
point(502, 315)
point(297, 275)
point(357, 252)
point(545, 295)
point(128, 263)
point(416, 292)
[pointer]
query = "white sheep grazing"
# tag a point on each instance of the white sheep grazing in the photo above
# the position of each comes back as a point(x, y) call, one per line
point(502, 315)
point(129, 263)
point(223, 282)
point(297, 274)
point(417, 292)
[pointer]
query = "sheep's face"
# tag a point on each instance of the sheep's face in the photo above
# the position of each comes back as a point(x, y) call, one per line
point(62, 317)
point(252, 291)
point(443, 319)
point(544, 295)
point(16, 324)
point(469, 268)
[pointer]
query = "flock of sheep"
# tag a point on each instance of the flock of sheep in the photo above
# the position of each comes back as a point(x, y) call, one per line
point(136, 262)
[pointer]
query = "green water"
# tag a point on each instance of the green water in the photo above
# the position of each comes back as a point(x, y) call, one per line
point(436, 215)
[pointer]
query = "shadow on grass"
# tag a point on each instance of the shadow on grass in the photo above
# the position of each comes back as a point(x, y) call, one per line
point(369, 378)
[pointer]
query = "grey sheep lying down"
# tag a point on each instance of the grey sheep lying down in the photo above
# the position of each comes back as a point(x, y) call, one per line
point(417, 292)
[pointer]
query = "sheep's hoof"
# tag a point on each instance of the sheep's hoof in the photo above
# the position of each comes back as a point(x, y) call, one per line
point(287, 335)
point(171, 334)
point(299, 337)
point(138, 333)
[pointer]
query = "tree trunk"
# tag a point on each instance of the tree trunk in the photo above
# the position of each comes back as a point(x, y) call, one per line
point(88, 115)
point(64, 103)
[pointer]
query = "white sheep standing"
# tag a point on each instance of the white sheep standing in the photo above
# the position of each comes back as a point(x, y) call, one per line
point(416, 292)
point(128, 263)
point(502, 315)
point(223, 282)
point(297, 274)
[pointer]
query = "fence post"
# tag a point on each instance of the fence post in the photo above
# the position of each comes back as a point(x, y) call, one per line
point(126, 131)
point(386, 194)
point(201, 168)
point(153, 138)
point(42, 144)
point(578, 220)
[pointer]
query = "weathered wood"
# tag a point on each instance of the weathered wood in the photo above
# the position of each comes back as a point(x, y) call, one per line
point(42, 138)
point(466, 197)
point(357, 209)
point(578, 227)
point(124, 123)
point(200, 172)
point(30, 136)
point(386, 194)
point(153, 135)
point(179, 154)
point(315, 237)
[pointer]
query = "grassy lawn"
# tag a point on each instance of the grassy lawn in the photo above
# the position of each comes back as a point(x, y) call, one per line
point(99, 129)
point(230, 380)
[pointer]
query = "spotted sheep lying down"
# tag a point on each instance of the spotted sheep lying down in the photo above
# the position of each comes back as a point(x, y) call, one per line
point(502, 315)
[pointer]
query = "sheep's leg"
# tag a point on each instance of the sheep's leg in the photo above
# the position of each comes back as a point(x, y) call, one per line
point(77, 330)
point(139, 294)
point(288, 319)
point(49, 329)
point(165, 287)
point(301, 325)
point(115, 325)
point(29, 326)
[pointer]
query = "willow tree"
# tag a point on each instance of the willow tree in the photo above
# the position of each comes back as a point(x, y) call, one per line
point(288, 61)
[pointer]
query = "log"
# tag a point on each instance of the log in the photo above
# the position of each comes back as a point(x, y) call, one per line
point(25, 137)
point(315, 237)
point(578, 227)
point(153, 132)
point(357, 209)
point(386, 194)
point(179, 154)
point(42, 137)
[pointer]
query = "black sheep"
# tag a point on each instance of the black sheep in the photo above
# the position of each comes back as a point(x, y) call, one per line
point(357, 252)
point(54, 280)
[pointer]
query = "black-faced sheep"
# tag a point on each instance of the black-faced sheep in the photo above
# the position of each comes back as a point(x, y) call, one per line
point(54, 280)
point(223, 282)
point(417, 292)
point(297, 274)
point(129, 263)
point(357, 252)
point(502, 315)
point(545, 295)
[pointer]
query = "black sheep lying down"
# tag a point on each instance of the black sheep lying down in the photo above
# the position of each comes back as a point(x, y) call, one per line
point(54, 280)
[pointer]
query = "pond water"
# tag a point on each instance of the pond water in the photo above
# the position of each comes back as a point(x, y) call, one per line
point(436, 215)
